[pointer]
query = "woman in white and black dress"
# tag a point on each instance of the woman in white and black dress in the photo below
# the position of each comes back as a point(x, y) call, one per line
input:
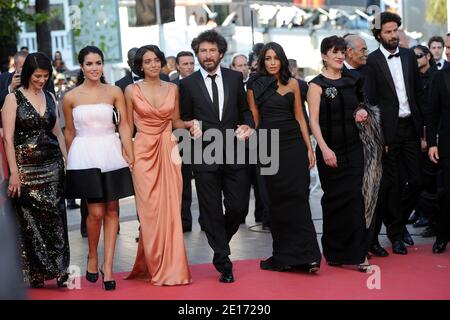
point(97, 169)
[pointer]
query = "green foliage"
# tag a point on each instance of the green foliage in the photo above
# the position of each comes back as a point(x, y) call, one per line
point(12, 12)
point(437, 11)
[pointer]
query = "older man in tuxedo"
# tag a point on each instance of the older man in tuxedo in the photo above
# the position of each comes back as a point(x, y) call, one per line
point(393, 83)
point(216, 97)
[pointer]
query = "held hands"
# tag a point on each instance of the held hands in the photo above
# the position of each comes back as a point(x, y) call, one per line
point(433, 153)
point(329, 157)
point(311, 158)
point(14, 185)
point(361, 116)
point(243, 132)
point(194, 128)
point(128, 159)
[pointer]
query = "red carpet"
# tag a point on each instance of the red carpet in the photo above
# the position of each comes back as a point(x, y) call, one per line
point(418, 275)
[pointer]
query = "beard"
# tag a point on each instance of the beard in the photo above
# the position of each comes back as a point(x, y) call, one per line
point(211, 64)
point(390, 45)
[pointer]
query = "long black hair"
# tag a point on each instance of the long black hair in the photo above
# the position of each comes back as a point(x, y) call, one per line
point(34, 61)
point(81, 55)
point(285, 74)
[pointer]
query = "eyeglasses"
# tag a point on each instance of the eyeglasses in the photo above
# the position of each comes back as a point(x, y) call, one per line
point(420, 56)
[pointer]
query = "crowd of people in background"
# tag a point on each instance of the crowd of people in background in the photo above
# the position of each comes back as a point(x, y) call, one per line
point(375, 124)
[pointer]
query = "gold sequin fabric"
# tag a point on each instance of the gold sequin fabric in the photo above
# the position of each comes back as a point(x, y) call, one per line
point(41, 207)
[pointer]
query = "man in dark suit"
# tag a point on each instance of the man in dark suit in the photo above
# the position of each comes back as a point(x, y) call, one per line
point(438, 124)
point(356, 54)
point(436, 45)
point(216, 97)
point(355, 62)
point(393, 83)
point(130, 77)
point(185, 66)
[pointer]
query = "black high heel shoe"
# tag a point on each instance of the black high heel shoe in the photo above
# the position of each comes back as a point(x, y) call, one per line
point(61, 281)
point(364, 268)
point(107, 285)
point(91, 277)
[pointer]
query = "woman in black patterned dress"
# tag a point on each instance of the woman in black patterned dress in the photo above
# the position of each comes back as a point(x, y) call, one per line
point(35, 150)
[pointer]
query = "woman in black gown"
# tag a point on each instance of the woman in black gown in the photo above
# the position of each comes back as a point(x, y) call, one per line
point(35, 150)
point(334, 101)
point(274, 98)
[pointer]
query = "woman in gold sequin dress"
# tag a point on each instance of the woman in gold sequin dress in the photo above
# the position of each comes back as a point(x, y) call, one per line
point(35, 150)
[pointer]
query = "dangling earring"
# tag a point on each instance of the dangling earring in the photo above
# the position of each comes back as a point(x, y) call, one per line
point(325, 64)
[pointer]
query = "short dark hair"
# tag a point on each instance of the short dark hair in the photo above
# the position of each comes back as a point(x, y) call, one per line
point(34, 61)
point(211, 36)
point(383, 18)
point(436, 39)
point(183, 54)
point(338, 43)
point(138, 58)
point(24, 48)
point(82, 54)
point(285, 74)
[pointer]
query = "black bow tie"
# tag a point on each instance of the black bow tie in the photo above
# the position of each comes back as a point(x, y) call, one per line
point(397, 55)
point(439, 64)
point(136, 78)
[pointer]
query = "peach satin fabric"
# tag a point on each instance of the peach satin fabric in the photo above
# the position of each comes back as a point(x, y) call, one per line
point(161, 256)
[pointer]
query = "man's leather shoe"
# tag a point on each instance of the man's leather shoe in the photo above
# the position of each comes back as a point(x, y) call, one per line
point(422, 222)
point(408, 239)
point(439, 246)
point(226, 277)
point(399, 247)
point(378, 251)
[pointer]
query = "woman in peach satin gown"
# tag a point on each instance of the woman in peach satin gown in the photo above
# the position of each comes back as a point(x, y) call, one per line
point(154, 106)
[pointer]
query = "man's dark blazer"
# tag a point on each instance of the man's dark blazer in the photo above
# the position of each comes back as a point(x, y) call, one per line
point(196, 103)
point(439, 120)
point(123, 82)
point(380, 89)
point(176, 81)
point(5, 81)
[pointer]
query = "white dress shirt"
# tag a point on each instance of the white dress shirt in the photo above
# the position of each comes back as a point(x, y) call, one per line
point(348, 66)
point(219, 83)
point(442, 62)
point(395, 66)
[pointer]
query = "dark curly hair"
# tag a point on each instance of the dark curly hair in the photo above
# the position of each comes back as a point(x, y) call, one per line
point(81, 55)
point(211, 36)
point(34, 61)
point(383, 18)
point(138, 58)
point(285, 74)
